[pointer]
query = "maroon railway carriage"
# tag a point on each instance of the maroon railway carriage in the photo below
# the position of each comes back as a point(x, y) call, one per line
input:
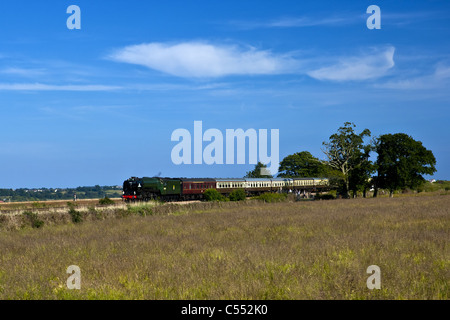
point(193, 188)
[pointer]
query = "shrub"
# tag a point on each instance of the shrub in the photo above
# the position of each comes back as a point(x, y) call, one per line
point(237, 195)
point(76, 215)
point(141, 210)
point(71, 205)
point(33, 217)
point(333, 193)
point(38, 204)
point(326, 196)
point(213, 195)
point(272, 197)
point(105, 201)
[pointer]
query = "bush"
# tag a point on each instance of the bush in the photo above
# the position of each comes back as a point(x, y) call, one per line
point(272, 197)
point(38, 205)
point(33, 217)
point(213, 195)
point(141, 210)
point(237, 195)
point(71, 205)
point(76, 215)
point(105, 201)
point(333, 193)
point(326, 196)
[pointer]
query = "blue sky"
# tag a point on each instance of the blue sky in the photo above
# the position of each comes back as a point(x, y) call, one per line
point(99, 104)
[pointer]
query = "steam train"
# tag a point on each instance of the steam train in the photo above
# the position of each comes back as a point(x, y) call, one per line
point(173, 189)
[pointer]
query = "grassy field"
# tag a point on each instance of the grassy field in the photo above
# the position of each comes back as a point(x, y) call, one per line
point(251, 250)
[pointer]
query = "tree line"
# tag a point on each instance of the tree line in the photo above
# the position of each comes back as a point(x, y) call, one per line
point(400, 164)
point(91, 192)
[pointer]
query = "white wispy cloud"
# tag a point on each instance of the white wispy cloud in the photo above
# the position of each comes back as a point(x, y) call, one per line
point(297, 22)
point(411, 18)
point(370, 65)
point(440, 78)
point(198, 59)
point(23, 72)
point(48, 87)
point(204, 60)
point(336, 19)
point(308, 22)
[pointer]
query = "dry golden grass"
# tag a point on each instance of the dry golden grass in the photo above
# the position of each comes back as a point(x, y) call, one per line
point(290, 250)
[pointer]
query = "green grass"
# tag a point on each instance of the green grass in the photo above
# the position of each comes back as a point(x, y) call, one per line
point(237, 250)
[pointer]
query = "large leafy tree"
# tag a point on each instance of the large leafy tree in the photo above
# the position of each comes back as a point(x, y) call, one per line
point(346, 152)
point(401, 162)
point(301, 164)
point(258, 172)
point(360, 178)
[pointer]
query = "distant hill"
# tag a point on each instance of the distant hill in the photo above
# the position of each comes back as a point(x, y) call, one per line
point(41, 194)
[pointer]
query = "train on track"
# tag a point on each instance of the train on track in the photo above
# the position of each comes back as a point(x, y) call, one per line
point(174, 189)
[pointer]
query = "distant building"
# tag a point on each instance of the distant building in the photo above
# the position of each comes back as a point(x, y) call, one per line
point(432, 180)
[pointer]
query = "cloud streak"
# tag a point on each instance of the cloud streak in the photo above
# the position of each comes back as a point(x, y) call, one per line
point(203, 60)
point(364, 67)
point(23, 72)
point(297, 22)
point(440, 78)
point(48, 87)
